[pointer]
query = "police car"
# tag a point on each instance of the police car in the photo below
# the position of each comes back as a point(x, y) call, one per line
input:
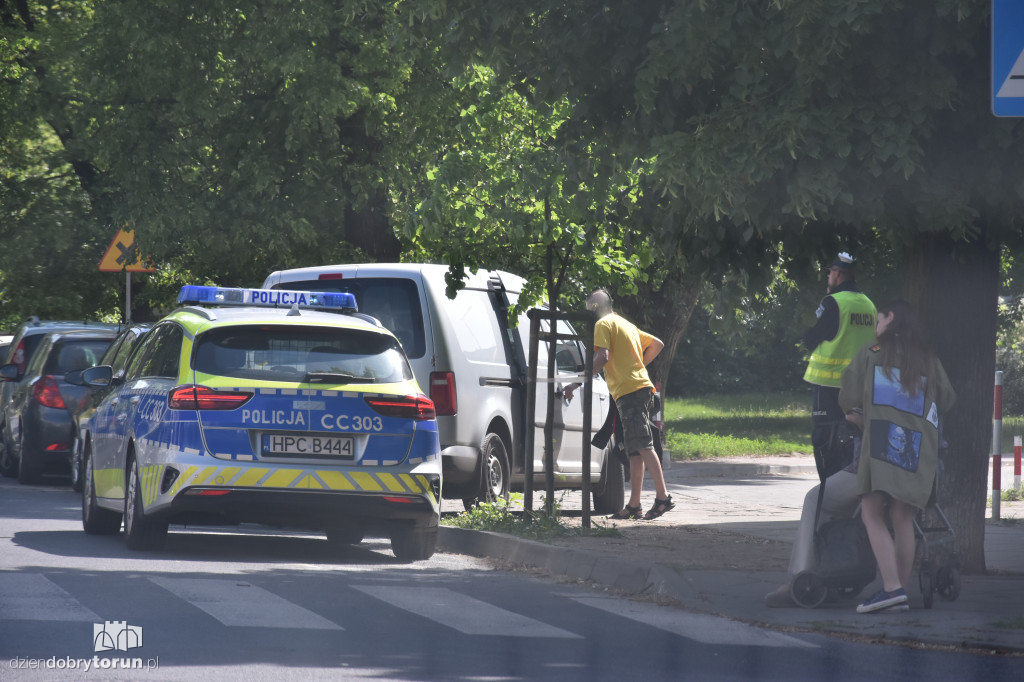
point(275, 407)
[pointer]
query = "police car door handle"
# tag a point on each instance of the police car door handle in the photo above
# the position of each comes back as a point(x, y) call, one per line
point(115, 401)
point(135, 399)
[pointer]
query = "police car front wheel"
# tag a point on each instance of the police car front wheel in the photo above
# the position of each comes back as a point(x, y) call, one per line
point(141, 531)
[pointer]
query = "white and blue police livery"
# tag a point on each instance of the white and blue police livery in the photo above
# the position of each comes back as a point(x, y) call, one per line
point(284, 407)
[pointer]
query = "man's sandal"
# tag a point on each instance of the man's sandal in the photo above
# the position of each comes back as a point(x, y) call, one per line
point(659, 508)
point(627, 513)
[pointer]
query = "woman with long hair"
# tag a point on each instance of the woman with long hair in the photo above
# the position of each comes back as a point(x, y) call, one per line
point(902, 388)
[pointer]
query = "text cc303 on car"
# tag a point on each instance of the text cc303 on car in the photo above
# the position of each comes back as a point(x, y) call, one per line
point(262, 407)
point(473, 359)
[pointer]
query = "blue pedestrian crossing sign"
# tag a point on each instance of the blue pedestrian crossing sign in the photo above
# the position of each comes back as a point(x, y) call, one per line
point(1008, 57)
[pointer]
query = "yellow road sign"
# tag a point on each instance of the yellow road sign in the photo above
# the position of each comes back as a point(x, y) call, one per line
point(123, 255)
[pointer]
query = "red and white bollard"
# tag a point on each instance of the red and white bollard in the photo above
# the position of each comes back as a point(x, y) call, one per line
point(997, 443)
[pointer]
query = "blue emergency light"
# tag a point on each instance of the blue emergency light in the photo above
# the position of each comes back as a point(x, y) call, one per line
point(267, 298)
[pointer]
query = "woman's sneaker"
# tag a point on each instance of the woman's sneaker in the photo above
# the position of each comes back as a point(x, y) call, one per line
point(893, 601)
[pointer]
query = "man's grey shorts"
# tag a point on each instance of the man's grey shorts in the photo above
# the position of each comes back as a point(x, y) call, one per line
point(635, 413)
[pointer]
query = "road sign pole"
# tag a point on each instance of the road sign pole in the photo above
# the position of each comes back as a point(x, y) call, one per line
point(127, 298)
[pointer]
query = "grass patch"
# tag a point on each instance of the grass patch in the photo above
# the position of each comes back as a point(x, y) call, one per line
point(1011, 623)
point(1012, 494)
point(737, 425)
point(511, 518)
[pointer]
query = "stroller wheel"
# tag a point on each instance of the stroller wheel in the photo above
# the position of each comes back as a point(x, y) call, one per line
point(947, 583)
point(808, 590)
point(927, 586)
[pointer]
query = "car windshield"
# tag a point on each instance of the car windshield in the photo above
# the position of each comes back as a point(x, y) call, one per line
point(308, 354)
point(68, 356)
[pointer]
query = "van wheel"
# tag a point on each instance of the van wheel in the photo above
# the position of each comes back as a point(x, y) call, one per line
point(141, 531)
point(494, 477)
point(610, 494)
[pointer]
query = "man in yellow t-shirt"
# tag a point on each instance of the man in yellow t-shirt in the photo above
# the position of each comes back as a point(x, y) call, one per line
point(623, 351)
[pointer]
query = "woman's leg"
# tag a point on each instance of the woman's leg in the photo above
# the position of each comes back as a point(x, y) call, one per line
point(902, 516)
point(872, 513)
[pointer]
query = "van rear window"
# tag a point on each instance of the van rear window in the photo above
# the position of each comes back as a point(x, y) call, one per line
point(395, 301)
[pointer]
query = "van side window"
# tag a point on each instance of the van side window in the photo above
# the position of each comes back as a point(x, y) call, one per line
point(395, 301)
point(476, 327)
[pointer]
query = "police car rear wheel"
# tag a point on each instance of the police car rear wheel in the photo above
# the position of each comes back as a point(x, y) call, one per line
point(140, 530)
point(412, 544)
point(345, 535)
point(95, 519)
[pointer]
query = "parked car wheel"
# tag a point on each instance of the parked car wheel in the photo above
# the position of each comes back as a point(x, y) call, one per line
point(140, 530)
point(30, 466)
point(414, 544)
point(8, 465)
point(494, 477)
point(95, 519)
point(76, 467)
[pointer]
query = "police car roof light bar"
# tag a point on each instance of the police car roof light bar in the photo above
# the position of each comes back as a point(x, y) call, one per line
point(267, 298)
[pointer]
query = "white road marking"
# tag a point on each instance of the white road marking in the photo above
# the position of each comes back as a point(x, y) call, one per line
point(696, 626)
point(29, 596)
point(234, 602)
point(465, 614)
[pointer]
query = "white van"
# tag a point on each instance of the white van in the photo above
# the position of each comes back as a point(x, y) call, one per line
point(474, 364)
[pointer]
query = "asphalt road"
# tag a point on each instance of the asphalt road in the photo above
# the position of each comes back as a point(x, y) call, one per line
point(224, 605)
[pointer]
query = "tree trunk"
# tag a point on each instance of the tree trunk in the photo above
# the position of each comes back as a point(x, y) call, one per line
point(955, 285)
point(664, 311)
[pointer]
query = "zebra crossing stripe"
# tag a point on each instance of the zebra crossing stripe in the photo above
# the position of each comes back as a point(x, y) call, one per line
point(696, 626)
point(30, 596)
point(240, 603)
point(465, 614)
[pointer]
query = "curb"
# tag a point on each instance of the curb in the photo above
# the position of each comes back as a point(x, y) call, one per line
point(629, 576)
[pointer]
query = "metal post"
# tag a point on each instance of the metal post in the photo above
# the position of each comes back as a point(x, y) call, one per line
point(588, 402)
point(127, 298)
point(997, 467)
point(531, 408)
point(1016, 461)
point(997, 442)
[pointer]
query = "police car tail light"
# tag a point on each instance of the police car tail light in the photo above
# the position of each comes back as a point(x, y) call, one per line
point(204, 398)
point(442, 392)
point(417, 407)
point(47, 393)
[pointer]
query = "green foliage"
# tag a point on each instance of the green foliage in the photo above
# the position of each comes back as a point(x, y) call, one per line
point(1013, 494)
point(509, 517)
point(768, 423)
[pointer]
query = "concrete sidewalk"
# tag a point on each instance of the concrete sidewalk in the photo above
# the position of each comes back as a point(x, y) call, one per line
point(760, 499)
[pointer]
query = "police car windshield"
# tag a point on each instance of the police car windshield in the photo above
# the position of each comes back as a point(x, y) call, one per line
point(301, 354)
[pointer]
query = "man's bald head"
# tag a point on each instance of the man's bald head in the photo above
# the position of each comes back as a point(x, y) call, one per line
point(600, 302)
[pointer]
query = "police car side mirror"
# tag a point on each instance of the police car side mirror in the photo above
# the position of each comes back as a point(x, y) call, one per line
point(97, 377)
point(9, 372)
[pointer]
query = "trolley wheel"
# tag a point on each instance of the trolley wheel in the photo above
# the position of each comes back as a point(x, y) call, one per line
point(808, 590)
point(927, 585)
point(947, 583)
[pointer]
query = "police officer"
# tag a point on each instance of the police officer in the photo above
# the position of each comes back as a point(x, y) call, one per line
point(846, 322)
